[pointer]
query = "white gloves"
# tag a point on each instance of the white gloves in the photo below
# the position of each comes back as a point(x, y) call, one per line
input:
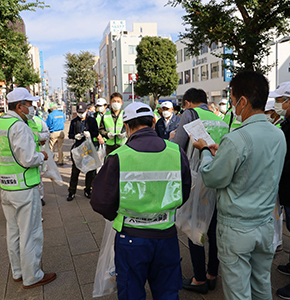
point(111, 135)
point(122, 135)
point(87, 134)
point(78, 136)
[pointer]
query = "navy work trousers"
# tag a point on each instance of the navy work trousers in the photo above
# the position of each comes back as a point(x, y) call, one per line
point(140, 259)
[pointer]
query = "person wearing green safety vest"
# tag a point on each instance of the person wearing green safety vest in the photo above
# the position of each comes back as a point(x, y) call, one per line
point(195, 103)
point(111, 126)
point(19, 178)
point(41, 135)
point(139, 187)
point(101, 110)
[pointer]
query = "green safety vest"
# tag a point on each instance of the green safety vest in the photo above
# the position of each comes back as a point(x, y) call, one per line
point(98, 119)
point(150, 187)
point(227, 119)
point(114, 128)
point(213, 124)
point(13, 176)
point(36, 127)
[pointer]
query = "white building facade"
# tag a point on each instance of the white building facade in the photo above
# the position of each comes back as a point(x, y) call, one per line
point(203, 72)
point(206, 71)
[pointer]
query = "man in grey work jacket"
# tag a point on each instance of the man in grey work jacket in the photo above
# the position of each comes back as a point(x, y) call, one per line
point(246, 170)
point(140, 191)
point(19, 174)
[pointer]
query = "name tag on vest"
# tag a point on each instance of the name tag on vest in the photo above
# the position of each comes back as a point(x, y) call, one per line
point(163, 218)
point(9, 180)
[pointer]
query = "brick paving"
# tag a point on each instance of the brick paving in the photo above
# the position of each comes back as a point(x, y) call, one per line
point(72, 241)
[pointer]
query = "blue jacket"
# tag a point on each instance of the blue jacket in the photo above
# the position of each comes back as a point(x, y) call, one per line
point(55, 120)
point(163, 131)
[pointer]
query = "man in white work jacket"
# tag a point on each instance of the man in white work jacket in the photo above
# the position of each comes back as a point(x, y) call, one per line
point(19, 179)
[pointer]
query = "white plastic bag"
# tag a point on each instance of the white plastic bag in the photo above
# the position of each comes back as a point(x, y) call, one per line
point(102, 154)
point(105, 279)
point(49, 167)
point(85, 156)
point(194, 217)
point(278, 224)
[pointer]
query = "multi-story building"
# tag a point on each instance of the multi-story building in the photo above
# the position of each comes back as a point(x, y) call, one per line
point(206, 71)
point(117, 57)
point(34, 54)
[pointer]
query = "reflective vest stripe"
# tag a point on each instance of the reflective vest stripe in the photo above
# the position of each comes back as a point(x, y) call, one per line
point(148, 199)
point(150, 176)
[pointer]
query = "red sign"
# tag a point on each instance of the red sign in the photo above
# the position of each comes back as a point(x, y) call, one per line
point(130, 77)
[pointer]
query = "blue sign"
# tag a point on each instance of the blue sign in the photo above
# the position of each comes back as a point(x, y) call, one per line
point(227, 72)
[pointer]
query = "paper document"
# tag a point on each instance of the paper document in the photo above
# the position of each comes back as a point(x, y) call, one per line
point(197, 131)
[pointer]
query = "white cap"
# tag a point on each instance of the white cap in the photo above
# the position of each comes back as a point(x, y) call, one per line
point(283, 89)
point(270, 105)
point(19, 94)
point(223, 101)
point(101, 101)
point(137, 110)
point(167, 104)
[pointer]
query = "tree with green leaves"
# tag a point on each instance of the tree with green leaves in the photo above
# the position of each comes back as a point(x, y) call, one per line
point(246, 26)
point(14, 59)
point(156, 67)
point(80, 74)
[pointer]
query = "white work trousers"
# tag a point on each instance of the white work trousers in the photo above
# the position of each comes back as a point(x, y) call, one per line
point(22, 210)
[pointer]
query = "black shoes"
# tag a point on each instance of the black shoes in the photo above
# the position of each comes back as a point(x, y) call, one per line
point(42, 202)
point(200, 288)
point(211, 283)
point(284, 269)
point(87, 194)
point(284, 292)
point(70, 197)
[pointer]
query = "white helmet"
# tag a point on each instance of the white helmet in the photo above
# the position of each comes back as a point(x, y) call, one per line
point(137, 110)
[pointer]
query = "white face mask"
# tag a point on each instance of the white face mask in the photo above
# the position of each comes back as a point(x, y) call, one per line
point(166, 113)
point(279, 109)
point(116, 106)
point(271, 120)
point(101, 109)
point(81, 115)
point(31, 112)
point(223, 109)
point(238, 117)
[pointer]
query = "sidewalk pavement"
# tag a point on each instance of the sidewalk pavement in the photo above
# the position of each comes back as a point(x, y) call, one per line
point(72, 240)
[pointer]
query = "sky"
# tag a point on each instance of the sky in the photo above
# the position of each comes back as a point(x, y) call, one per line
point(74, 26)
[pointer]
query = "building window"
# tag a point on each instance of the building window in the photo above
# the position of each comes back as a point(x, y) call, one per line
point(213, 46)
point(180, 78)
point(186, 54)
point(204, 49)
point(179, 56)
point(129, 69)
point(214, 70)
point(115, 88)
point(112, 54)
point(187, 76)
point(204, 73)
point(141, 29)
point(115, 71)
point(195, 75)
point(132, 49)
point(115, 50)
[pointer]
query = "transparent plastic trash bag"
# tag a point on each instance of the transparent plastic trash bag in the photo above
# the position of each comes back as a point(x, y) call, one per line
point(85, 156)
point(194, 217)
point(105, 279)
point(49, 168)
